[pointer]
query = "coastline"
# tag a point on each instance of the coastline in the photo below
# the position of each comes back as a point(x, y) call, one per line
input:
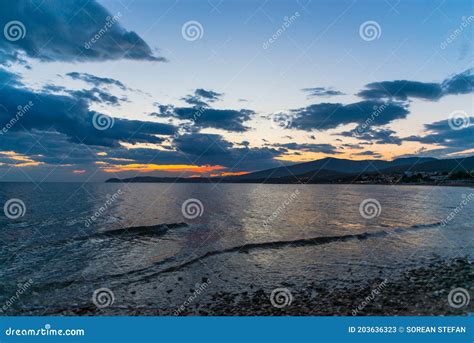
point(420, 291)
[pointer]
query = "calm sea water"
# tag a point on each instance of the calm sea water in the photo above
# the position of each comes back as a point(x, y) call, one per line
point(74, 239)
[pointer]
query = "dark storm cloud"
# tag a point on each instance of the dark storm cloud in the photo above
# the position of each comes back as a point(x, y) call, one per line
point(328, 116)
point(205, 117)
point(69, 30)
point(72, 117)
point(462, 83)
point(96, 80)
point(322, 91)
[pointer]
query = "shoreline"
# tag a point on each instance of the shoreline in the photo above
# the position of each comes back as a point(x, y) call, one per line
point(420, 291)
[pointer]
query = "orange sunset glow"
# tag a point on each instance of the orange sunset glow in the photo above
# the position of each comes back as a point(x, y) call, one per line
point(171, 168)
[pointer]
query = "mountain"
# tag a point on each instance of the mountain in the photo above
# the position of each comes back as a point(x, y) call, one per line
point(330, 170)
point(333, 164)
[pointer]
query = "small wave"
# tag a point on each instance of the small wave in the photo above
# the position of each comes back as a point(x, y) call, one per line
point(292, 244)
point(246, 248)
point(128, 232)
point(142, 273)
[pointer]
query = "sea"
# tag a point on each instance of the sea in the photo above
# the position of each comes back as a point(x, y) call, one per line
point(132, 246)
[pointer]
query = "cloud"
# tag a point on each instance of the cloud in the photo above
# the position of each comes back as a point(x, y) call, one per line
point(373, 135)
point(306, 147)
point(9, 79)
point(96, 80)
point(73, 118)
point(201, 97)
point(462, 83)
point(442, 134)
point(208, 94)
point(328, 116)
point(204, 117)
point(367, 153)
point(322, 91)
point(95, 95)
point(81, 30)
point(213, 149)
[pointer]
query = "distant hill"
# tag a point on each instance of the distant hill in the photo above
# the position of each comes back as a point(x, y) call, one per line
point(329, 170)
point(333, 164)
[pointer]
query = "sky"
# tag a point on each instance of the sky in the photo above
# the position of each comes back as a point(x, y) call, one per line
point(91, 90)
